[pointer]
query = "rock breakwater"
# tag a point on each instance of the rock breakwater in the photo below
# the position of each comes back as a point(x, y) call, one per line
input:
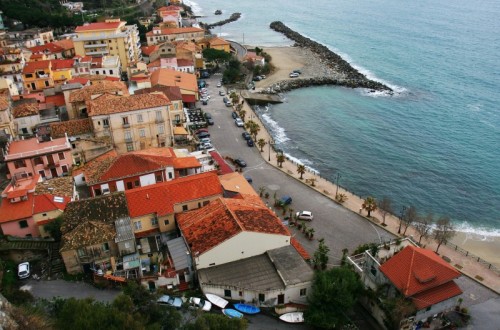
point(350, 77)
point(234, 17)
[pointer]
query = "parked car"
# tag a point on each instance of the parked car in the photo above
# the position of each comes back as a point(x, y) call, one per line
point(234, 115)
point(239, 122)
point(297, 71)
point(250, 143)
point(249, 179)
point(170, 301)
point(203, 135)
point(200, 303)
point(207, 115)
point(201, 130)
point(285, 200)
point(246, 135)
point(294, 75)
point(205, 140)
point(23, 270)
point(240, 162)
point(219, 85)
point(221, 93)
point(304, 215)
point(257, 78)
point(204, 102)
point(206, 146)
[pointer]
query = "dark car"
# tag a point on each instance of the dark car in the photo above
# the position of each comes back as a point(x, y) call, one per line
point(210, 121)
point(234, 115)
point(250, 143)
point(246, 136)
point(249, 179)
point(207, 115)
point(204, 102)
point(240, 162)
point(285, 200)
point(203, 135)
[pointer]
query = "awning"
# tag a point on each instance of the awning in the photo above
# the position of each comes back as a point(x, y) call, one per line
point(188, 98)
point(180, 131)
point(223, 166)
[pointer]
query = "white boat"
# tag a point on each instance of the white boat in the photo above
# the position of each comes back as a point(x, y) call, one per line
point(216, 300)
point(296, 317)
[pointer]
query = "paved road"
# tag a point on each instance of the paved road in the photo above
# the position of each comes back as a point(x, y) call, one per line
point(340, 227)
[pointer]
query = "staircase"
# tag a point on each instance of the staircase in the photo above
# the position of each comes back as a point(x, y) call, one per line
point(56, 264)
point(183, 286)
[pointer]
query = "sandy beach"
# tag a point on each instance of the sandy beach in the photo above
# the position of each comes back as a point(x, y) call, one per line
point(286, 59)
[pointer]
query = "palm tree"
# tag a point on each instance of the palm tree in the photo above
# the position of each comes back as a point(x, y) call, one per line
point(280, 159)
point(242, 114)
point(253, 128)
point(261, 143)
point(369, 204)
point(301, 169)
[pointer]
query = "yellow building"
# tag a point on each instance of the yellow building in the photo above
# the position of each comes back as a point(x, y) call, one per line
point(220, 44)
point(6, 119)
point(159, 35)
point(111, 37)
point(38, 75)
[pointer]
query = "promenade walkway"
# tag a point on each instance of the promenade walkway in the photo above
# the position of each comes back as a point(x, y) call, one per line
point(465, 264)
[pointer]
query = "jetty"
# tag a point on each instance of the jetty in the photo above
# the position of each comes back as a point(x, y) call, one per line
point(260, 99)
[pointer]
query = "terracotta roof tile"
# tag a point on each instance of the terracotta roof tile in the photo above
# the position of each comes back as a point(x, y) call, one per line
point(49, 202)
point(97, 88)
point(4, 102)
point(62, 186)
point(431, 297)
point(98, 26)
point(147, 50)
point(173, 93)
point(224, 218)
point(93, 168)
point(57, 100)
point(65, 44)
point(50, 48)
point(62, 64)
point(169, 77)
point(31, 67)
point(176, 31)
point(71, 127)
point(79, 80)
point(184, 62)
point(160, 198)
point(16, 211)
point(25, 108)
point(87, 234)
point(25, 146)
point(107, 104)
point(415, 270)
point(218, 41)
point(186, 162)
point(300, 249)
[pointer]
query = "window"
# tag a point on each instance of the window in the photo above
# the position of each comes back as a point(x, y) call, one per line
point(64, 168)
point(61, 156)
point(19, 163)
point(125, 120)
point(166, 222)
point(139, 118)
point(227, 293)
point(47, 83)
point(205, 203)
point(177, 118)
point(158, 178)
point(161, 129)
point(23, 224)
point(111, 71)
point(154, 221)
point(199, 204)
point(129, 185)
point(142, 132)
point(105, 122)
point(38, 161)
point(137, 183)
point(184, 207)
point(128, 136)
point(303, 292)
point(130, 147)
point(137, 225)
point(159, 117)
point(105, 246)
point(170, 175)
point(240, 293)
point(262, 297)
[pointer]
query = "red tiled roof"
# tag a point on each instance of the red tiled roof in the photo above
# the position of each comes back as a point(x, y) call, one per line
point(188, 98)
point(414, 270)
point(109, 78)
point(300, 249)
point(66, 44)
point(46, 202)
point(62, 64)
point(160, 198)
point(173, 93)
point(223, 218)
point(435, 295)
point(107, 104)
point(98, 87)
point(175, 31)
point(98, 26)
point(33, 145)
point(71, 127)
point(184, 62)
point(16, 211)
point(93, 168)
point(25, 108)
point(31, 67)
point(47, 48)
point(224, 168)
point(82, 81)
point(57, 100)
point(186, 162)
point(147, 50)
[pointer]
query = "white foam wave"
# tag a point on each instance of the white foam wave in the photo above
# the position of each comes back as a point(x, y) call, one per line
point(478, 233)
point(223, 34)
point(277, 131)
point(305, 162)
point(195, 7)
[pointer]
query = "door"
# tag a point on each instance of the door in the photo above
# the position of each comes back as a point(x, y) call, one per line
point(53, 172)
point(281, 299)
point(50, 159)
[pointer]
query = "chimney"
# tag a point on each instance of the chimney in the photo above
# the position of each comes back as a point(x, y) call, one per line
point(147, 196)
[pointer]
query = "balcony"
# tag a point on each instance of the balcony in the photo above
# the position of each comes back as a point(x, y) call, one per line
point(49, 166)
point(98, 52)
point(129, 140)
point(159, 120)
point(94, 45)
point(126, 125)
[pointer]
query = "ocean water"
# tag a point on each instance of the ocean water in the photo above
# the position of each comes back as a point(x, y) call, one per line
point(435, 144)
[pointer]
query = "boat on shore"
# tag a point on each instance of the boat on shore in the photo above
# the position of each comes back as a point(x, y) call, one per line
point(218, 12)
point(216, 300)
point(231, 313)
point(247, 309)
point(295, 317)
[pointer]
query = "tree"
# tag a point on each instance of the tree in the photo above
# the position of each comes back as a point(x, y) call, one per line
point(54, 228)
point(444, 231)
point(385, 207)
point(409, 217)
point(253, 128)
point(280, 158)
point(216, 322)
point(369, 204)
point(423, 226)
point(301, 169)
point(261, 143)
point(320, 258)
point(216, 55)
point(334, 293)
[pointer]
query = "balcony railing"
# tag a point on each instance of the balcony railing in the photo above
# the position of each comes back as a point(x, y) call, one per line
point(126, 125)
point(94, 45)
point(51, 165)
point(159, 120)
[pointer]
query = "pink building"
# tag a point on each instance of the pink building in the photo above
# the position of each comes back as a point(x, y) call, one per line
point(49, 159)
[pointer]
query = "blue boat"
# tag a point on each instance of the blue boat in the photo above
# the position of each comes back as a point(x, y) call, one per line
point(247, 309)
point(234, 314)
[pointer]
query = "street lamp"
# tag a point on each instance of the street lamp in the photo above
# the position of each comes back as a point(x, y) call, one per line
point(270, 141)
point(338, 176)
point(401, 215)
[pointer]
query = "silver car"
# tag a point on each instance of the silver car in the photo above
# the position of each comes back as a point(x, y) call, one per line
point(170, 301)
point(304, 215)
point(200, 303)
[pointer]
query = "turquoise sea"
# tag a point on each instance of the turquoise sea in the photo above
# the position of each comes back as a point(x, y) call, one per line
point(434, 144)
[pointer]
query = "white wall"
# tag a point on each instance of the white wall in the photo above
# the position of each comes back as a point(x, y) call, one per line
point(147, 180)
point(442, 306)
point(120, 186)
point(243, 245)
